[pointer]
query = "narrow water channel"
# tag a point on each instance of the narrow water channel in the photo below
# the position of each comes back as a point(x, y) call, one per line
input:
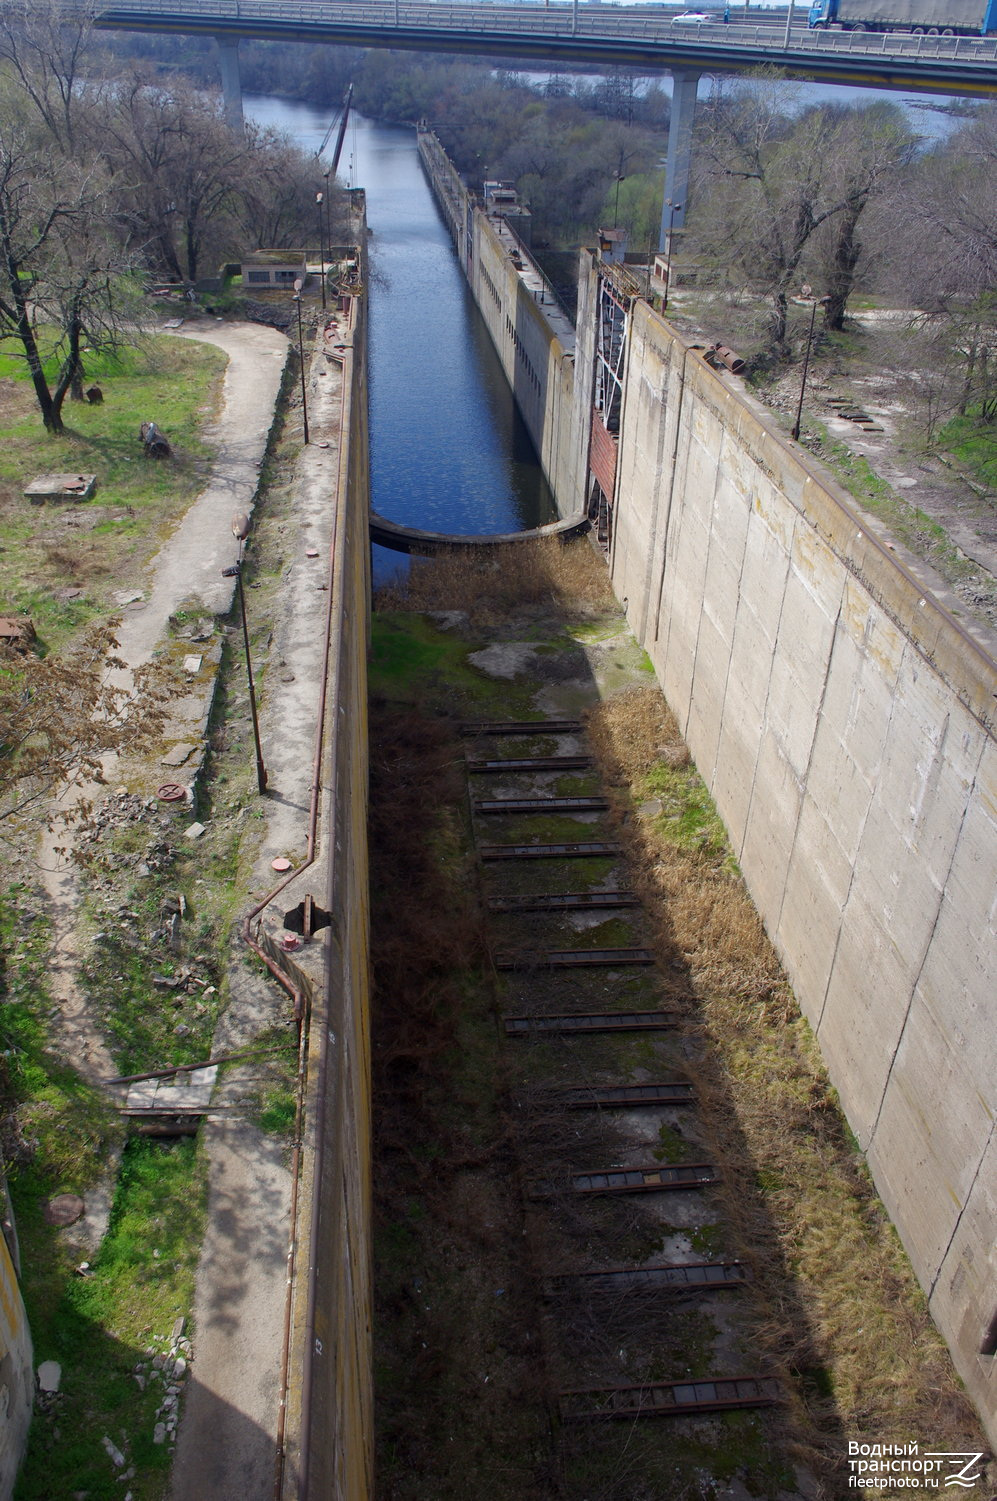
point(449, 452)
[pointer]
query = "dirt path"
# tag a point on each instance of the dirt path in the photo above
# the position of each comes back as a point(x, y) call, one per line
point(243, 1266)
point(187, 566)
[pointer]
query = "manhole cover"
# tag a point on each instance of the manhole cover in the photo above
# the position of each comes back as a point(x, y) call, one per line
point(280, 863)
point(171, 792)
point(64, 1209)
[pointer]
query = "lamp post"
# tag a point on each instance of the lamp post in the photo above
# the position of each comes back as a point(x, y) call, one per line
point(816, 302)
point(620, 177)
point(301, 356)
point(235, 572)
point(328, 215)
point(673, 210)
point(321, 246)
point(789, 25)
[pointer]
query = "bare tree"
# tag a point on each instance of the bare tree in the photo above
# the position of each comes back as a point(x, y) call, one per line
point(947, 223)
point(183, 168)
point(275, 202)
point(770, 181)
point(874, 147)
point(46, 47)
point(59, 265)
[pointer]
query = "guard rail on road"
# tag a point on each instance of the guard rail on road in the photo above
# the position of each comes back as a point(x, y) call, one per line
point(565, 20)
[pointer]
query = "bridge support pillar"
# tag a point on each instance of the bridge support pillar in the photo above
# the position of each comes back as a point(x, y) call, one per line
point(228, 62)
point(679, 156)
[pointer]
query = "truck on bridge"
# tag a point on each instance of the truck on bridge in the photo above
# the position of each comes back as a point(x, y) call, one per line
point(918, 17)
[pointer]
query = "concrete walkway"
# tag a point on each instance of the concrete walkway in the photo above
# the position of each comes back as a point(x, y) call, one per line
point(228, 1432)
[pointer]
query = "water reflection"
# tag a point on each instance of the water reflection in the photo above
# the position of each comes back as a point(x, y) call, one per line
point(449, 451)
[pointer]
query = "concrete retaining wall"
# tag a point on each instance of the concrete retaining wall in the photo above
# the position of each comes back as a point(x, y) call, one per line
point(533, 338)
point(845, 724)
point(17, 1380)
point(330, 1425)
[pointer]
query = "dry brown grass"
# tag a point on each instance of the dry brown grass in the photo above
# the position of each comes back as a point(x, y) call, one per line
point(490, 583)
point(838, 1305)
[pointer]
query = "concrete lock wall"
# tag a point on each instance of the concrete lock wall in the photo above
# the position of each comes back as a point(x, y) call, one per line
point(330, 1424)
point(17, 1382)
point(539, 368)
point(844, 723)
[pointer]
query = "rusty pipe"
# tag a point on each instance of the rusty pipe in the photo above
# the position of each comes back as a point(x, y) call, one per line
point(719, 353)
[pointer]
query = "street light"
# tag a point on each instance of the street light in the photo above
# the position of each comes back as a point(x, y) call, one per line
point(328, 215)
point(321, 247)
point(789, 25)
point(235, 572)
point(674, 209)
point(301, 355)
point(815, 303)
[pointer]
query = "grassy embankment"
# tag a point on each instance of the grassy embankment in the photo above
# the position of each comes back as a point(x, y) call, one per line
point(468, 1355)
point(156, 995)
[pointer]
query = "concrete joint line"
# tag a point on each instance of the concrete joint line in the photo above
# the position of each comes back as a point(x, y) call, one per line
point(958, 1219)
point(679, 401)
point(924, 959)
point(764, 721)
point(829, 661)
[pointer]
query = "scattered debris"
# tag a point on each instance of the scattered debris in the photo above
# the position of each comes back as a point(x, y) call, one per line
point(178, 755)
point(155, 444)
point(61, 487)
point(64, 1209)
point(17, 632)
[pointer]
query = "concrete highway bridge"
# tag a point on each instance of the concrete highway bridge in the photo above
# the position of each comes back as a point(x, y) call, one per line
point(588, 33)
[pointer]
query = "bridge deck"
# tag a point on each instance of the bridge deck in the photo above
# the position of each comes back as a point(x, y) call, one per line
point(583, 33)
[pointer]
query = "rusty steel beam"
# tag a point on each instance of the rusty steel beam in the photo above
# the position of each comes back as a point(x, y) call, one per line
point(696, 1276)
point(585, 849)
point(568, 901)
point(668, 1398)
point(573, 959)
point(602, 1021)
point(534, 763)
point(542, 805)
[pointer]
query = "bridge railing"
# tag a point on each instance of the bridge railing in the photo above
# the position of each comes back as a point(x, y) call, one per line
point(564, 18)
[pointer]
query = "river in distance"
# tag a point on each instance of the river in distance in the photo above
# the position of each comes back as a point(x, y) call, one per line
point(448, 449)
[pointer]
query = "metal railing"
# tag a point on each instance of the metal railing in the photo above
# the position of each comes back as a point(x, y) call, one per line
point(566, 19)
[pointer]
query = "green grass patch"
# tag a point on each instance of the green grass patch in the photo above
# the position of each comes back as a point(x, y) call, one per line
point(277, 1111)
point(689, 818)
point(911, 526)
point(100, 1326)
point(672, 1146)
point(974, 444)
point(59, 1129)
point(62, 562)
point(60, 1137)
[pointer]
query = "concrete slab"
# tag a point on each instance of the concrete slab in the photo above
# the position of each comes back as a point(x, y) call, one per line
point(61, 487)
point(190, 1091)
